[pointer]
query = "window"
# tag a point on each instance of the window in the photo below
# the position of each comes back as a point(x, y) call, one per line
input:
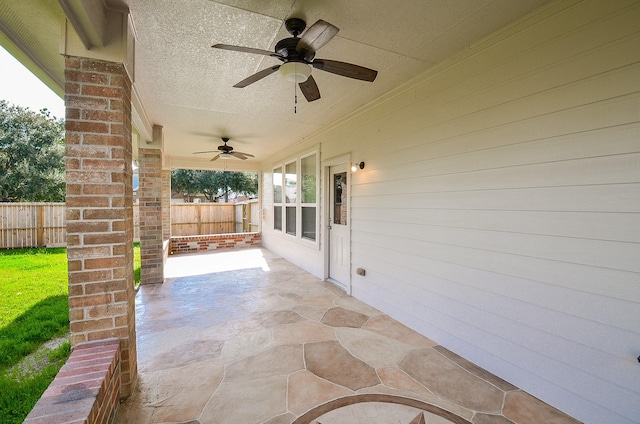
point(308, 171)
point(277, 199)
point(291, 189)
point(294, 197)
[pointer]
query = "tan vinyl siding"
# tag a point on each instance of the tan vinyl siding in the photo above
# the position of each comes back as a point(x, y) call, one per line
point(499, 210)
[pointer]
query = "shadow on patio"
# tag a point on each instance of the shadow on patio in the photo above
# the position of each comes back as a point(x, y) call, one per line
point(246, 337)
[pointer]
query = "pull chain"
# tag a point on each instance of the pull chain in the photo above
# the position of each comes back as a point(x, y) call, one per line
point(295, 98)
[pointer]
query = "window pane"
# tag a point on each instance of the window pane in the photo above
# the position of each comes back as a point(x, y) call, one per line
point(290, 182)
point(291, 220)
point(277, 185)
point(340, 198)
point(308, 172)
point(277, 218)
point(309, 223)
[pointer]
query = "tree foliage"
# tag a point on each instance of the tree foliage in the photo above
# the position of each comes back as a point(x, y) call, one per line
point(32, 167)
point(214, 185)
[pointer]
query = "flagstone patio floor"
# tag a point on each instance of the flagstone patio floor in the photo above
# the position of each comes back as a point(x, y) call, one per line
point(245, 337)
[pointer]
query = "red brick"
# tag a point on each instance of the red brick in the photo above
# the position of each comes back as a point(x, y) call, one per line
point(71, 87)
point(88, 227)
point(72, 113)
point(101, 91)
point(70, 213)
point(103, 189)
point(89, 252)
point(72, 240)
point(102, 165)
point(118, 129)
point(72, 163)
point(93, 325)
point(82, 102)
point(87, 126)
point(72, 62)
point(90, 77)
point(111, 310)
point(102, 214)
point(76, 314)
point(116, 104)
point(74, 266)
point(106, 334)
point(88, 177)
point(87, 201)
point(101, 115)
point(88, 276)
point(103, 238)
point(102, 263)
point(101, 140)
point(90, 300)
point(87, 151)
point(102, 67)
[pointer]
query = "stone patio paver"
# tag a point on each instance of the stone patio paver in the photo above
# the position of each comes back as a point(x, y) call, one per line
point(246, 337)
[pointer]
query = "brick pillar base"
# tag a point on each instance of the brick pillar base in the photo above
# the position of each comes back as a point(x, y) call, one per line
point(150, 199)
point(99, 209)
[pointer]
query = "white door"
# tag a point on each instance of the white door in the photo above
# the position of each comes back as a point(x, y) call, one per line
point(339, 242)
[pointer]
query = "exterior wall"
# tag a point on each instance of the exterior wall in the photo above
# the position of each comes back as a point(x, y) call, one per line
point(150, 198)
point(99, 213)
point(498, 210)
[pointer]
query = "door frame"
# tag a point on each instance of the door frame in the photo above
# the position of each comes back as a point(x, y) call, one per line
point(344, 159)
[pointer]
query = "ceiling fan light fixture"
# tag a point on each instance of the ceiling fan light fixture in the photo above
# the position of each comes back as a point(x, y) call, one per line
point(295, 71)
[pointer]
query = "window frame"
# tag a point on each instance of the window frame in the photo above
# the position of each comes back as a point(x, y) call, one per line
point(297, 205)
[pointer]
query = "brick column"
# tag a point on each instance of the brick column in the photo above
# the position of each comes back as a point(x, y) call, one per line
point(99, 208)
point(150, 200)
point(166, 204)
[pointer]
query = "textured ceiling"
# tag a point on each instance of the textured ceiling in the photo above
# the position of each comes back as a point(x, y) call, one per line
point(187, 87)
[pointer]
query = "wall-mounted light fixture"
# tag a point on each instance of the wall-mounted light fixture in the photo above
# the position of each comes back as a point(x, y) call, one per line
point(355, 166)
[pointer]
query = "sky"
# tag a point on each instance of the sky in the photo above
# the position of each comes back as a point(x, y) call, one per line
point(20, 87)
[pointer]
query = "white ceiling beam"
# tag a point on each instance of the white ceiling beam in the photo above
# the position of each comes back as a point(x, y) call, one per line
point(89, 20)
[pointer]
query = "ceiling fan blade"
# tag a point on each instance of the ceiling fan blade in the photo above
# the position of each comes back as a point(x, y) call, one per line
point(317, 36)
point(310, 89)
point(215, 157)
point(345, 69)
point(208, 151)
point(246, 50)
point(238, 155)
point(244, 154)
point(257, 76)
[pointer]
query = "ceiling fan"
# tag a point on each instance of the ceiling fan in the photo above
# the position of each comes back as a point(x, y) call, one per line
point(298, 57)
point(226, 152)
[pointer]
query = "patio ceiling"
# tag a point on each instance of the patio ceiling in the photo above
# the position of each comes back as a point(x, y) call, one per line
point(187, 87)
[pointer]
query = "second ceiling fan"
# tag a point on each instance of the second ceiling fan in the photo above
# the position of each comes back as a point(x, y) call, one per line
point(226, 152)
point(298, 57)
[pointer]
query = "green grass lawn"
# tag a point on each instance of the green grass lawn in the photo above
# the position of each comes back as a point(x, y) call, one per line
point(34, 309)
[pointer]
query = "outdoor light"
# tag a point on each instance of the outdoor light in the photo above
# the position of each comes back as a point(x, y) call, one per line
point(355, 166)
point(295, 71)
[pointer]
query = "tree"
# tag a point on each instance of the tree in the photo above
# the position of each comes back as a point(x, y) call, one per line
point(213, 184)
point(185, 181)
point(32, 156)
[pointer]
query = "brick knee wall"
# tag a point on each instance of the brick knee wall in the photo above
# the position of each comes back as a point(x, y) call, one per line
point(191, 244)
point(86, 390)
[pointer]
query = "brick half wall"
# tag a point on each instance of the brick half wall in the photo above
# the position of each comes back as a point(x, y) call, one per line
point(192, 244)
point(85, 390)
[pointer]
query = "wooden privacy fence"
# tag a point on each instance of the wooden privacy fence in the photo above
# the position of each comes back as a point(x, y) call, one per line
point(43, 224)
point(32, 224)
point(192, 219)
